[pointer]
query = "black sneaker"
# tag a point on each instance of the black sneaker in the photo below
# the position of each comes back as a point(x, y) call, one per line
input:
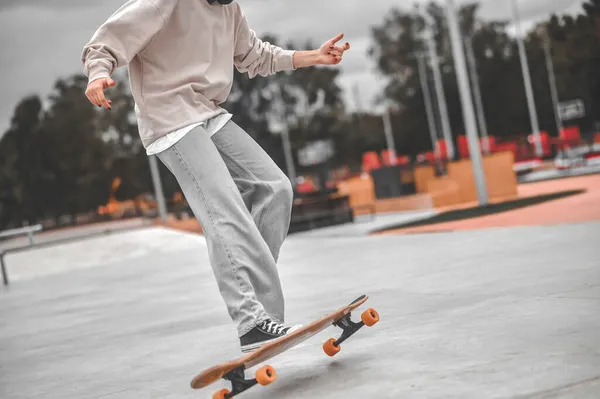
point(263, 333)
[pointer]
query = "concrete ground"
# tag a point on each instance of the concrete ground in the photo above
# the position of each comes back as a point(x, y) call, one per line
point(496, 313)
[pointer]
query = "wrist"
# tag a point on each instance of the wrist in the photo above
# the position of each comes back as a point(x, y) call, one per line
point(314, 56)
point(97, 71)
point(305, 58)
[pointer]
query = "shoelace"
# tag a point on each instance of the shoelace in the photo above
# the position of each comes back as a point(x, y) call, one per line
point(272, 327)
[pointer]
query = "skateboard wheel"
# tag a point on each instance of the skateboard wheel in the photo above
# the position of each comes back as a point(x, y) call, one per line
point(329, 347)
point(265, 375)
point(221, 394)
point(370, 317)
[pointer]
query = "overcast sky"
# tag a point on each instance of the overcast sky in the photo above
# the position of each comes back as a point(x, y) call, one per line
point(41, 40)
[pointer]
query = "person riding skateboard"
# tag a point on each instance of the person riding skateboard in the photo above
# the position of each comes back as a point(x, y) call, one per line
point(180, 56)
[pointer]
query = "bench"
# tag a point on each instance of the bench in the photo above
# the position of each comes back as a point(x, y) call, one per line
point(320, 211)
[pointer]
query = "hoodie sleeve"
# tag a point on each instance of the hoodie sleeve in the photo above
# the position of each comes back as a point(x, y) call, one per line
point(127, 32)
point(255, 56)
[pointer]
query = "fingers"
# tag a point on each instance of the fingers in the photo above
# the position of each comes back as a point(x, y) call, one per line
point(340, 50)
point(95, 92)
point(93, 97)
point(96, 97)
point(333, 58)
point(337, 38)
point(336, 52)
point(345, 47)
point(103, 101)
point(109, 83)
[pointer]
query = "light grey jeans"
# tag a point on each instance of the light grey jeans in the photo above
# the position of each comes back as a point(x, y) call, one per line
point(243, 202)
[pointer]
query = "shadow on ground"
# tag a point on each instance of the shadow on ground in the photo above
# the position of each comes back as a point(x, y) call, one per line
point(478, 211)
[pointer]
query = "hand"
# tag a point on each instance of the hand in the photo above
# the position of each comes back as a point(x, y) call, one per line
point(95, 92)
point(330, 54)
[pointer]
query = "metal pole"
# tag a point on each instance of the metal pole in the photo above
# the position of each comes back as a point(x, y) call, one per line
point(285, 136)
point(389, 137)
point(527, 81)
point(158, 191)
point(427, 100)
point(477, 94)
point(439, 86)
point(3, 267)
point(552, 83)
point(466, 101)
point(287, 151)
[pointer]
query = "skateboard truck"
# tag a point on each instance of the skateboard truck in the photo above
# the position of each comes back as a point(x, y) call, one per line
point(239, 383)
point(264, 376)
point(349, 328)
point(368, 318)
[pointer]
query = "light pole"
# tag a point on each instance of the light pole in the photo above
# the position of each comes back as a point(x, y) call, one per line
point(527, 81)
point(439, 86)
point(477, 94)
point(552, 83)
point(389, 137)
point(285, 138)
point(287, 151)
point(427, 100)
point(466, 101)
point(158, 190)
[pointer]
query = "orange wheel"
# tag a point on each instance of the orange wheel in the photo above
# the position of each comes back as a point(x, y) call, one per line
point(221, 394)
point(329, 347)
point(265, 375)
point(370, 317)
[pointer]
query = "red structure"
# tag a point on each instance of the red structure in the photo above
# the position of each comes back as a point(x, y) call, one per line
point(571, 136)
point(370, 161)
point(403, 160)
point(388, 157)
point(442, 149)
point(463, 146)
point(491, 141)
point(508, 146)
point(546, 143)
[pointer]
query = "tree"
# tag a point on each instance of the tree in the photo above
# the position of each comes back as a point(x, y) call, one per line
point(19, 166)
point(75, 156)
point(397, 41)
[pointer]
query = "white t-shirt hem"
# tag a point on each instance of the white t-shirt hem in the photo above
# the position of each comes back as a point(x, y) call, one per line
point(212, 126)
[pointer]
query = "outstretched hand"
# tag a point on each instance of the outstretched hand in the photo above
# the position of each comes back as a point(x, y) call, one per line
point(95, 92)
point(330, 53)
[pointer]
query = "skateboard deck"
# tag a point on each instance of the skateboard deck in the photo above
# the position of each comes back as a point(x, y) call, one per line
point(233, 371)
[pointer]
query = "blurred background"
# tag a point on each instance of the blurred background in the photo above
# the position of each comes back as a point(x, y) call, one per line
point(436, 104)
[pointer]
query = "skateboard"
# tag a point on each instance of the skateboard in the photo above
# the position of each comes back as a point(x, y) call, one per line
point(234, 371)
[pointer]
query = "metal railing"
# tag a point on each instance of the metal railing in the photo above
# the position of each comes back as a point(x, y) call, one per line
point(33, 244)
point(21, 231)
point(29, 231)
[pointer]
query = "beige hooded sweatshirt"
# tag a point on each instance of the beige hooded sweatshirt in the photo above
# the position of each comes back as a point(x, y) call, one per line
point(180, 55)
